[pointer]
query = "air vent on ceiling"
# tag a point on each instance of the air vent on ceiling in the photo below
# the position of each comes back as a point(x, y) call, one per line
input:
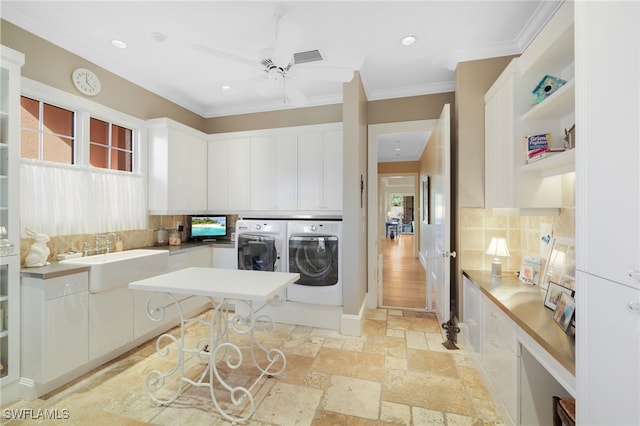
point(308, 56)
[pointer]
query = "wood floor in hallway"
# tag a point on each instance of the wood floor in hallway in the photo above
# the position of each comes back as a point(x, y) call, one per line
point(403, 277)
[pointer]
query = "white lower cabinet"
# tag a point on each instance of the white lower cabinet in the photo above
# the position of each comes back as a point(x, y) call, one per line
point(225, 258)
point(55, 326)
point(110, 321)
point(473, 316)
point(500, 357)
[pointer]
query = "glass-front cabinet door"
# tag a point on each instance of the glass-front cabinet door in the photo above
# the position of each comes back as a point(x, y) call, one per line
point(10, 63)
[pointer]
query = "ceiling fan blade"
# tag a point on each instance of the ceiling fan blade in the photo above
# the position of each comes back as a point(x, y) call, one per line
point(342, 74)
point(294, 94)
point(287, 40)
point(225, 55)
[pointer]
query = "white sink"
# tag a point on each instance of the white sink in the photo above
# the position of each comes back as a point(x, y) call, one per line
point(118, 269)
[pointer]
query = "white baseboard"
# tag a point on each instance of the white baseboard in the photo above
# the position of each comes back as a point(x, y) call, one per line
point(352, 324)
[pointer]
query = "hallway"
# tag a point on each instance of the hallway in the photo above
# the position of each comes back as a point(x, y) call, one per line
point(403, 277)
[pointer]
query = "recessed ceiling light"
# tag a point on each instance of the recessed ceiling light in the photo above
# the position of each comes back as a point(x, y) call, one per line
point(226, 87)
point(408, 40)
point(397, 149)
point(119, 44)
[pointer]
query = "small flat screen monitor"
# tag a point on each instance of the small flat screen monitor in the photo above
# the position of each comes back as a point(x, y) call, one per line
point(208, 227)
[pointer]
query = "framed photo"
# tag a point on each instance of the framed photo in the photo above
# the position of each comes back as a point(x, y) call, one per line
point(530, 270)
point(565, 310)
point(425, 200)
point(554, 292)
point(561, 263)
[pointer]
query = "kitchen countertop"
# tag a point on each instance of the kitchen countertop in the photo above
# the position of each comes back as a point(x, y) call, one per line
point(524, 304)
point(57, 269)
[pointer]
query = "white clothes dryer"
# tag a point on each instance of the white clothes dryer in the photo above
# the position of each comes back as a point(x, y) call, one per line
point(261, 244)
point(315, 252)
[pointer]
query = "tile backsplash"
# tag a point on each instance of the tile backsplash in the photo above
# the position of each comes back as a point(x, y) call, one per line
point(131, 239)
point(523, 233)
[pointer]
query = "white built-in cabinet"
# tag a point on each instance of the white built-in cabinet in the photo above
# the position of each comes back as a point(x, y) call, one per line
point(225, 257)
point(289, 171)
point(55, 323)
point(510, 116)
point(608, 213)
point(274, 172)
point(10, 63)
point(177, 168)
point(320, 171)
point(229, 178)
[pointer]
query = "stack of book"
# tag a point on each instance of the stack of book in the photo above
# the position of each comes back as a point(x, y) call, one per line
point(536, 147)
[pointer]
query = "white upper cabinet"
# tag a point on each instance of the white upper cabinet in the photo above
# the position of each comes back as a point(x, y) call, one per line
point(608, 141)
point(274, 172)
point(320, 170)
point(552, 53)
point(277, 171)
point(229, 174)
point(177, 168)
point(510, 116)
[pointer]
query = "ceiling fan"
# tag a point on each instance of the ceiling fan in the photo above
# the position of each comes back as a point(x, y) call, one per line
point(282, 65)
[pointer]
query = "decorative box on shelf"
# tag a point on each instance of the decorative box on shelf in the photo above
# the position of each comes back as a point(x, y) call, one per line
point(536, 147)
point(546, 87)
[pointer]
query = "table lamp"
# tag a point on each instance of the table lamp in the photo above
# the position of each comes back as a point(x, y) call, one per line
point(497, 248)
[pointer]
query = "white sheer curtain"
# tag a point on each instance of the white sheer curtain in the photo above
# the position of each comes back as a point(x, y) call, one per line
point(60, 199)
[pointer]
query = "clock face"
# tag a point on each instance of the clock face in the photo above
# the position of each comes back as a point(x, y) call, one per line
point(86, 81)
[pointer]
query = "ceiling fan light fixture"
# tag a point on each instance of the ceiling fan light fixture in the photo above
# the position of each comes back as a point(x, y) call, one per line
point(408, 40)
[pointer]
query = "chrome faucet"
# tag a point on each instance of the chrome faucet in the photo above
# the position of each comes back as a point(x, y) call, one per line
point(103, 243)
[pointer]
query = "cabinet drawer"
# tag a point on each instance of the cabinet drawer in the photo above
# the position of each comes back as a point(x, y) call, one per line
point(65, 285)
point(501, 328)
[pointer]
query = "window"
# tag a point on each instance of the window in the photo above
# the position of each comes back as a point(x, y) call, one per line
point(111, 146)
point(46, 132)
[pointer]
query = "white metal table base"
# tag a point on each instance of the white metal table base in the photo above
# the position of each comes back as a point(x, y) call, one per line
point(215, 350)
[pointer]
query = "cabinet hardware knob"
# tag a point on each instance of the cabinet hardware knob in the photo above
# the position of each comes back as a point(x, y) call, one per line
point(633, 307)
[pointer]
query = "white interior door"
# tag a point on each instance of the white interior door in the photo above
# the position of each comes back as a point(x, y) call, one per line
point(439, 232)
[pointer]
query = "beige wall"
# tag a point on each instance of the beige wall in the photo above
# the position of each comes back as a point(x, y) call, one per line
point(399, 167)
point(354, 199)
point(51, 65)
point(424, 107)
point(473, 79)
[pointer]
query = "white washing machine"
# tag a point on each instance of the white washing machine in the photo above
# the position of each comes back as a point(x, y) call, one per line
point(261, 244)
point(315, 252)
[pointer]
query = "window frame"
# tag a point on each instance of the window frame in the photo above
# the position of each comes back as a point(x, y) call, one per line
point(85, 109)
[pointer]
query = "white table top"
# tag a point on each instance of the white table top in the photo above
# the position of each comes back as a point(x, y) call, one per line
point(219, 283)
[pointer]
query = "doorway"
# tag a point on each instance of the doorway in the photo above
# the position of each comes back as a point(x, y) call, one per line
point(403, 278)
point(406, 249)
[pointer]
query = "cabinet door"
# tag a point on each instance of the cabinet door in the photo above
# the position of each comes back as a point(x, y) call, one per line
point(473, 321)
point(608, 349)
point(274, 171)
point(332, 170)
point(320, 170)
point(225, 258)
point(607, 197)
point(228, 175)
point(499, 142)
point(310, 152)
point(187, 164)
point(66, 335)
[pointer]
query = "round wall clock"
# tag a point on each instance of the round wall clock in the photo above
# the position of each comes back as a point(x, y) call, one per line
point(86, 81)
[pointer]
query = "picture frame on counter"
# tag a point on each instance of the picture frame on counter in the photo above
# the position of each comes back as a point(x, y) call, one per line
point(565, 311)
point(560, 267)
point(554, 294)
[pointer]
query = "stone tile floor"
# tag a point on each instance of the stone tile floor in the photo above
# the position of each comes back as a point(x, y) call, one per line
point(397, 372)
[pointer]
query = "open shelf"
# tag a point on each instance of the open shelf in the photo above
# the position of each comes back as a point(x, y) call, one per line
point(553, 164)
point(560, 103)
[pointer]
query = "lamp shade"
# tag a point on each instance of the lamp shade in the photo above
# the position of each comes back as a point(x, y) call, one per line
point(498, 247)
